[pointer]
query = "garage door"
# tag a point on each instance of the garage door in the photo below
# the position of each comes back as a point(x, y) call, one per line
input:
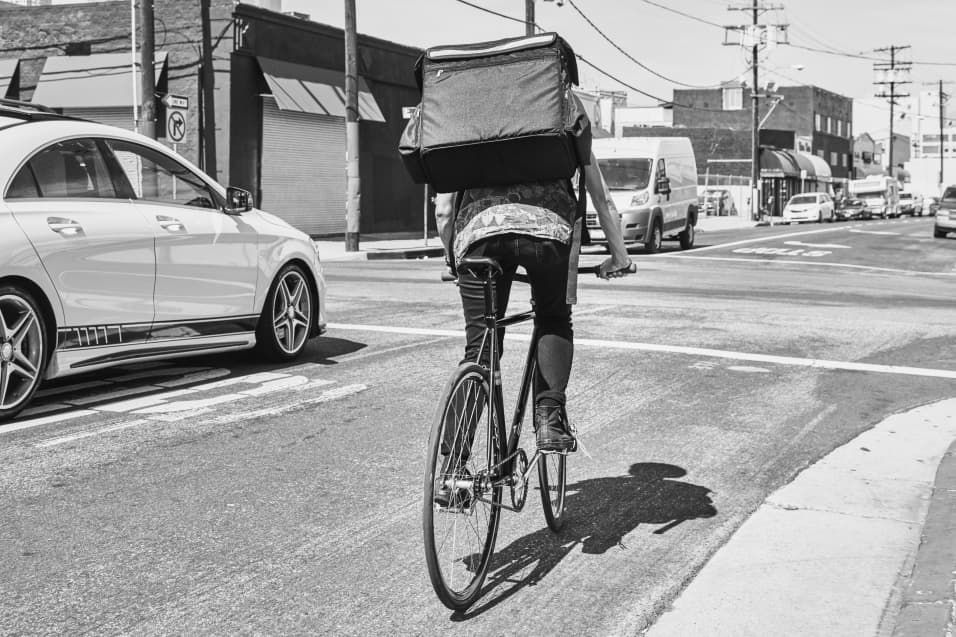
point(121, 117)
point(303, 168)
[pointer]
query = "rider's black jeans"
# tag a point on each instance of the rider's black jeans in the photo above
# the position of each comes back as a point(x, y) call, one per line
point(546, 263)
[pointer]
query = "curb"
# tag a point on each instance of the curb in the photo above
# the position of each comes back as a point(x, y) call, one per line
point(928, 606)
point(413, 253)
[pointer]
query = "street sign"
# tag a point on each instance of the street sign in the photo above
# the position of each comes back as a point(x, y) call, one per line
point(176, 101)
point(175, 125)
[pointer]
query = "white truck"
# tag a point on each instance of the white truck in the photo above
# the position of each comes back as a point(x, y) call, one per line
point(653, 184)
point(880, 193)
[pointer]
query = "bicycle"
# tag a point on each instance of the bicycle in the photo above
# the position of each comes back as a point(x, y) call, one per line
point(468, 467)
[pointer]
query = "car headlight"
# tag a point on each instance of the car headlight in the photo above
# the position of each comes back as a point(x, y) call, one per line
point(640, 199)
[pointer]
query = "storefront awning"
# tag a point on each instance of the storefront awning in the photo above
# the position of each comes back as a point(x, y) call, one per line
point(8, 68)
point(90, 81)
point(778, 163)
point(310, 89)
point(820, 167)
point(807, 171)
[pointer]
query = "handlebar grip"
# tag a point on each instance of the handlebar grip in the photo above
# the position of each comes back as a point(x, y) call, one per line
point(631, 268)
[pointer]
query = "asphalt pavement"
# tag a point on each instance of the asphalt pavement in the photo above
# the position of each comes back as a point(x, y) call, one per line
point(859, 543)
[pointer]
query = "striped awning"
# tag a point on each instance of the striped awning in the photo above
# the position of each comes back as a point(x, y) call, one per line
point(103, 80)
point(778, 163)
point(311, 89)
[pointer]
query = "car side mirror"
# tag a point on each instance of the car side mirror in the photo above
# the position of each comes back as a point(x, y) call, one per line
point(238, 200)
point(663, 186)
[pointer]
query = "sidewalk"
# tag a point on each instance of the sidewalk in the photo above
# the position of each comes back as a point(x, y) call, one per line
point(408, 246)
point(860, 543)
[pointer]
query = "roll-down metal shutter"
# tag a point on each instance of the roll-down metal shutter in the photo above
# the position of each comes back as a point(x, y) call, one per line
point(120, 116)
point(303, 168)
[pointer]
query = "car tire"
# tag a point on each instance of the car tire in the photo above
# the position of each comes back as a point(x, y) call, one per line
point(656, 238)
point(687, 237)
point(24, 351)
point(820, 216)
point(939, 234)
point(287, 316)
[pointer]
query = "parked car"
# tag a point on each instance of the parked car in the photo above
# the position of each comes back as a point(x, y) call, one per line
point(932, 205)
point(911, 204)
point(719, 202)
point(114, 249)
point(847, 209)
point(946, 214)
point(809, 206)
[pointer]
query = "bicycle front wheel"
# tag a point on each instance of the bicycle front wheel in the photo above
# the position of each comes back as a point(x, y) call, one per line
point(462, 504)
point(552, 479)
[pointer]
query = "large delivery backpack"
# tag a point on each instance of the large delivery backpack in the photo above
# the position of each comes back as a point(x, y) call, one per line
point(495, 113)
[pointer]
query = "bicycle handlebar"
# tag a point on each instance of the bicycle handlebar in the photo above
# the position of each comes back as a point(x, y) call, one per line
point(631, 268)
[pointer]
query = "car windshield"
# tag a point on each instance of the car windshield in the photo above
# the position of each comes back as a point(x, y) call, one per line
point(950, 193)
point(626, 174)
point(804, 199)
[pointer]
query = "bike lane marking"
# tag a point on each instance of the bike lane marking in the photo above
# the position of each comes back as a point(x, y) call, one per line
point(679, 349)
point(831, 264)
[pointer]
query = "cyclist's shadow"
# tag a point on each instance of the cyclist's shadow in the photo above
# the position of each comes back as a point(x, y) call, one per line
point(600, 512)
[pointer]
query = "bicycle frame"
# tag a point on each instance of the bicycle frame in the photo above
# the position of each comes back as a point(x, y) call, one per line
point(492, 324)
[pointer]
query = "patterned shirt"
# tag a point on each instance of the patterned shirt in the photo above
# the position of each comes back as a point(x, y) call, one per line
point(543, 209)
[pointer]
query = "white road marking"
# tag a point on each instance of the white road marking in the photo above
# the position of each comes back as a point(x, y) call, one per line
point(45, 420)
point(689, 351)
point(873, 232)
point(814, 245)
point(758, 240)
point(797, 252)
point(748, 369)
point(50, 442)
point(815, 263)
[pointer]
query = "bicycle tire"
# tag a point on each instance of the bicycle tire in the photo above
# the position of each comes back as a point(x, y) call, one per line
point(457, 554)
point(553, 481)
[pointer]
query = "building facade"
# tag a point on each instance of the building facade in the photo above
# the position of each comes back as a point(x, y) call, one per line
point(278, 99)
point(821, 121)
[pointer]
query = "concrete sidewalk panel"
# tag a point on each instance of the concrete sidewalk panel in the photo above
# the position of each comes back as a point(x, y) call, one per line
point(794, 573)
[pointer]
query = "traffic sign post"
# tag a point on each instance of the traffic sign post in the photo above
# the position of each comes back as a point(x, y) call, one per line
point(175, 125)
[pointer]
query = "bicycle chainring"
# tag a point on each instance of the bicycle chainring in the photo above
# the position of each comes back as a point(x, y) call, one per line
point(519, 485)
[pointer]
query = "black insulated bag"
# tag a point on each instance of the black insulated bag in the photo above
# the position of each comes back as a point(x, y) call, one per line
point(495, 113)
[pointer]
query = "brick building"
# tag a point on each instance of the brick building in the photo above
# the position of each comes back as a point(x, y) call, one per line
point(821, 122)
point(288, 150)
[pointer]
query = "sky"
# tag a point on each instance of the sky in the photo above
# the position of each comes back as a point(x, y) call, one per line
point(682, 40)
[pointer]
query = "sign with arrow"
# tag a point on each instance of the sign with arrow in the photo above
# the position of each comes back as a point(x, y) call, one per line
point(175, 125)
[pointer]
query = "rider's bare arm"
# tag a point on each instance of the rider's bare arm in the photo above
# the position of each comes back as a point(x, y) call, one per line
point(618, 263)
point(444, 213)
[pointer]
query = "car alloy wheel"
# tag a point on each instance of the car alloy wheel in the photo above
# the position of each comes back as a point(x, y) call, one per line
point(22, 352)
point(291, 312)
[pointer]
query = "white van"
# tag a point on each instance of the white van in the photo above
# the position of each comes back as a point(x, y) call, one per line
point(653, 183)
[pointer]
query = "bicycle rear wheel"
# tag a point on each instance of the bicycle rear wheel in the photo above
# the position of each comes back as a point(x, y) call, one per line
point(462, 508)
point(552, 479)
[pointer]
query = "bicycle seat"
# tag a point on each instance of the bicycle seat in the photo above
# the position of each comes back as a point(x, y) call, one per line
point(479, 265)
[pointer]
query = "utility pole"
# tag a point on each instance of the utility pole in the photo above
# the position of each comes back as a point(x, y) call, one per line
point(891, 74)
point(756, 35)
point(147, 97)
point(942, 98)
point(353, 212)
point(208, 97)
point(529, 17)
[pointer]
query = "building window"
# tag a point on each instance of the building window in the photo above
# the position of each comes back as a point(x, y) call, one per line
point(849, 130)
point(840, 127)
point(930, 138)
point(930, 150)
point(733, 98)
point(821, 154)
point(843, 156)
point(817, 118)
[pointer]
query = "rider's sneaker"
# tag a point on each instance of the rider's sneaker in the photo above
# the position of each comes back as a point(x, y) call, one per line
point(551, 429)
point(458, 499)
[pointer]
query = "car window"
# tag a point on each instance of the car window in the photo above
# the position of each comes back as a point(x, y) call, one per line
point(155, 177)
point(71, 168)
point(800, 199)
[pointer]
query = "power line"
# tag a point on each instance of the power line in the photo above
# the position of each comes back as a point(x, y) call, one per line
point(681, 13)
point(500, 15)
point(629, 56)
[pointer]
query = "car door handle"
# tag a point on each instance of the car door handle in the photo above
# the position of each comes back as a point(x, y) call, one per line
point(170, 224)
point(65, 227)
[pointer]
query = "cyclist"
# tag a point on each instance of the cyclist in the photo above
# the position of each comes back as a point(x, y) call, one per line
point(530, 225)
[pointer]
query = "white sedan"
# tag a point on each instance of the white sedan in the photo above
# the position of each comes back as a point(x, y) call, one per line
point(810, 206)
point(114, 249)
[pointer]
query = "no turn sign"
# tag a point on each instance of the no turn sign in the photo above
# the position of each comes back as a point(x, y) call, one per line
point(175, 125)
